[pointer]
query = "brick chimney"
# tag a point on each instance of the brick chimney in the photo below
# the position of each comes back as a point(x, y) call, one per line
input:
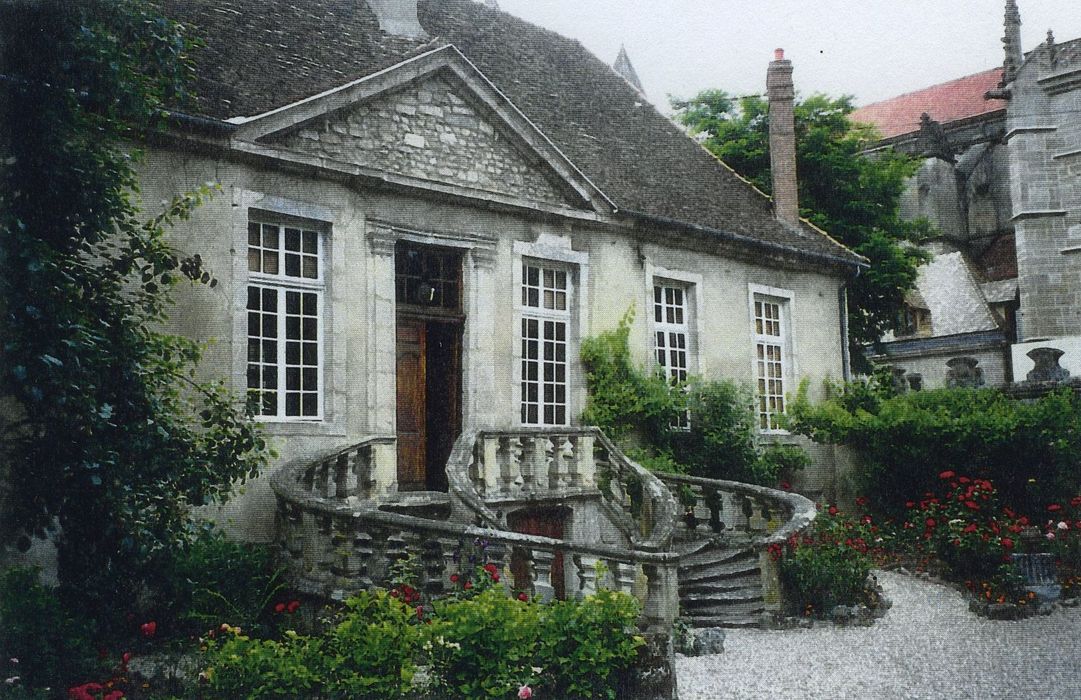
point(398, 17)
point(782, 138)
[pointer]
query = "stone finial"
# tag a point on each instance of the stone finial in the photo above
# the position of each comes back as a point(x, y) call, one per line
point(623, 66)
point(491, 4)
point(1051, 48)
point(1047, 368)
point(932, 141)
point(1011, 42)
point(964, 372)
point(782, 138)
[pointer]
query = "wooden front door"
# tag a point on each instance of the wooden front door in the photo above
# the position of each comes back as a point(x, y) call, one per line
point(412, 413)
point(546, 523)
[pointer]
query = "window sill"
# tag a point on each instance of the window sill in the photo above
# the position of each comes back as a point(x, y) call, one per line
point(302, 428)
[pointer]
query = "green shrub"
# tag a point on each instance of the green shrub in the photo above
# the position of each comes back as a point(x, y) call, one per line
point(826, 567)
point(213, 580)
point(368, 654)
point(584, 645)
point(722, 439)
point(1030, 450)
point(52, 646)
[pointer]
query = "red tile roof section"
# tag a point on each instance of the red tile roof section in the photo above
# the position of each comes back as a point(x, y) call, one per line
point(947, 102)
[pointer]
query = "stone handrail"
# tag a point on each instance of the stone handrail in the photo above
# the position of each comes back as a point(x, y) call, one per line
point(488, 467)
point(766, 516)
point(334, 545)
point(347, 473)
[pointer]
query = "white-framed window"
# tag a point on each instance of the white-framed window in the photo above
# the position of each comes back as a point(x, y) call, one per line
point(545, 328)
point(285, 321)
point(770, 358)
point(671, 323)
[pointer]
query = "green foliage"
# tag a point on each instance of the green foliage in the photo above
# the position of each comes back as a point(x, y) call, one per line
point(483, 646)
point(368, 655)
point(112, 438)
point(1030, 450)
point(584, 645)
point(827, 567)
point(213, 580)
point(722, 440)
point(52, 646)
point(852, 197)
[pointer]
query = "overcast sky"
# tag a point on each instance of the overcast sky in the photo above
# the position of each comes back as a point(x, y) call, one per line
point(872, 49)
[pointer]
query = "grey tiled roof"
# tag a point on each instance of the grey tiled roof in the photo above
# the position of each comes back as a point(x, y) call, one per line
point(264, 54)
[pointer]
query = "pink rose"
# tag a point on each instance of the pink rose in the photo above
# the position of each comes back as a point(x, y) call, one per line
point(524, 692)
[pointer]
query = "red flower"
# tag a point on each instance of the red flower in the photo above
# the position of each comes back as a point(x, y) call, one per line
point(523, 597)
point(491, 568)
point(1054, 507)
point(495, 577)
point(393, 594)
point(930, 522)
point(910, 504)
point(866, 520)
point(293, 606)
point(280, 607)
point(468, 585)
point(1075, 501)
point(946, 475)
point(125, 658)
point(149, 629)
point(785, 486)
point(833, 510)
point(1007, 543)
point(420, 612)
point(861, 501)
point(971, 527)
point(1009, 513)
point(972, 505)
point(963, 479)
point(454, 578)
point(113, 695)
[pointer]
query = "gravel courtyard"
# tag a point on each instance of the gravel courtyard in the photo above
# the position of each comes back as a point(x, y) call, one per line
point(927, 646)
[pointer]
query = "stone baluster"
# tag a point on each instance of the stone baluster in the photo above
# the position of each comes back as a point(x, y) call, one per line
point(512, 476)
point(432, 567)
point(622, 576)
point(363, 553)
point(344, 480)
point(541, 575)
point(586, 572)
point(561, 461)
point(585, 467)
point(535, 453)
point(490, 466)
point(322, 477)
point(714, 501)
point(325, 555)
point(661, 606)
point(756, 519)
point(363, 473)
point(396, 549)
point(341, 537)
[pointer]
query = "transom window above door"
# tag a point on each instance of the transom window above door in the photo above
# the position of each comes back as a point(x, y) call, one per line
point(430, 278)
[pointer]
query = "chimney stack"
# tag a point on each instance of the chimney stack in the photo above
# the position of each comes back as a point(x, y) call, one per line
point(782, 138)
point(398, 17)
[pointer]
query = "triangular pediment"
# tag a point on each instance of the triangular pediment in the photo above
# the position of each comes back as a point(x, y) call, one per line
point(435, 121)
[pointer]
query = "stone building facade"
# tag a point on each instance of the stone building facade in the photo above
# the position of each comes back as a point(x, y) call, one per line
point(1000, 183)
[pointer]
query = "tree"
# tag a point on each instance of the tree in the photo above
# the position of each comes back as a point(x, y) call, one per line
point(853, 197)
point(108, 435)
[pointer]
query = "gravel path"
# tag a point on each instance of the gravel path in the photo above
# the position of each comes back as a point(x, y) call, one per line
point(927, 646)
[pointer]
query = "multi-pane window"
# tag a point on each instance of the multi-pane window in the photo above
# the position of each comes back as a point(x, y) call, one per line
point(770, 361)
point(671, 331)
point(285, 319)
point(545, 322)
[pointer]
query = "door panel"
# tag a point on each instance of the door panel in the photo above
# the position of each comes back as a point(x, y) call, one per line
point(412, 414)
point(546, 523)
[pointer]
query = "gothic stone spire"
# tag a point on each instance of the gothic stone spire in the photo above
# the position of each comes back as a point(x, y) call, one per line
point(1011, 42)
point(626, 70)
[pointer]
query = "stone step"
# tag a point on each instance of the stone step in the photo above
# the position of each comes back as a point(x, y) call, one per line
point(753, 605)
point(753, 619)
point(711, 558)
point(721, 588)
point(718, 573)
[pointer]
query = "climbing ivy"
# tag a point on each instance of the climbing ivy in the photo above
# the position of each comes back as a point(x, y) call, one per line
point(107, 434)
point(643, 410)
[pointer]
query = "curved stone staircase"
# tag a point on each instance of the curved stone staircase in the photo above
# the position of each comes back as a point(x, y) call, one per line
point(343, 526)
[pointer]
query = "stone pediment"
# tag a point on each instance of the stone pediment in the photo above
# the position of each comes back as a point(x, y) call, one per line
point(430, 131)
point(431, 122)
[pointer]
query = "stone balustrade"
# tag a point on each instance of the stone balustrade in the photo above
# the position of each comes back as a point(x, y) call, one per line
point(333, 544)
point(491, 467)
point(756, 513)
